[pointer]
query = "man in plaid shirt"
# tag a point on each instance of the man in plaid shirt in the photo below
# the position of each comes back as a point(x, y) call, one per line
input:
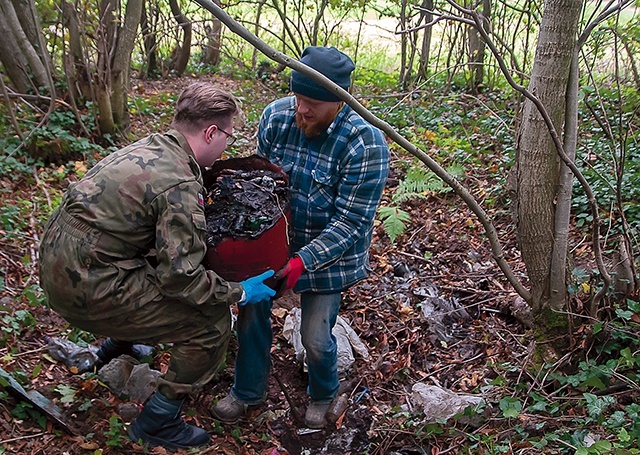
point(337, 165)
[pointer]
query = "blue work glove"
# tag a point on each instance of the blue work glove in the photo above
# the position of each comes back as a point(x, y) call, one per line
point(255, 290)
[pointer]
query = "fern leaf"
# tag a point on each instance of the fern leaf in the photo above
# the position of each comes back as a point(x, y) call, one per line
point(394, 221)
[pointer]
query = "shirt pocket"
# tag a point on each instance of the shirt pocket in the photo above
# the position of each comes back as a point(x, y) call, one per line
point(199, 221)
point(322, 193)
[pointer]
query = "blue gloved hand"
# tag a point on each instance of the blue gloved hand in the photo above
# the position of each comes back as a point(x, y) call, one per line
point(255, 290)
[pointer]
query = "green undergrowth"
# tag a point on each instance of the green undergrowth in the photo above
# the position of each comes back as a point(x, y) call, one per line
point(586, 405)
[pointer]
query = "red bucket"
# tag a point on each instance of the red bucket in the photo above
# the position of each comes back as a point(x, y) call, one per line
point(238, 257)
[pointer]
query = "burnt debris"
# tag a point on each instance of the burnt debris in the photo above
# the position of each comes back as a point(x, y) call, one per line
point(244, 203)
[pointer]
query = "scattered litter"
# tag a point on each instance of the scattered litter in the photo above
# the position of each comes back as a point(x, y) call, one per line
point(347, 339)
point(78, 359)
point(438, 403)
point(443, 315)
point(363, 394)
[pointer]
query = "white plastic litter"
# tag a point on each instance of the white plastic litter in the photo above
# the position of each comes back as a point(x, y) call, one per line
point(438, 403)
point(348, 341)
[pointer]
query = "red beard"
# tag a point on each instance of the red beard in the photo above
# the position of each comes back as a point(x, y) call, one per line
point(313, 129)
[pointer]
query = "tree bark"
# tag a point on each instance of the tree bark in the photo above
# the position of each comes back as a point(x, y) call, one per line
point(122, 62)
point(425, 17)
point(182, 51)
point(211, 51)
point(13, 61)
point(37, 68)
point(147, 28)
point(537, 165)
point(476, 49)
point(26, 11)
point(80, 77)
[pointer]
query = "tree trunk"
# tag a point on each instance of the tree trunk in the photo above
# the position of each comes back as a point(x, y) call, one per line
point(405, 70)
point(36, 67)
point(13, 61)
point(182, 51)
point(211, 51)
point(148, 30)
point(536, 169)
point(80, 77)
point(121, 64)
point(476, 49)
point(425, 16)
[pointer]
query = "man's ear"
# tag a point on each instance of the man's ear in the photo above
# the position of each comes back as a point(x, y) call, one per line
point(208, 133)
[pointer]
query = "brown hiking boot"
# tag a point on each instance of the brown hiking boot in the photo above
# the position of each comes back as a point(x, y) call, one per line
point(229, 409)
point(315, 416)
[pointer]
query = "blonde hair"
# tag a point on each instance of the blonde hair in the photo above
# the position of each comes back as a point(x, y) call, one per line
point(203, 103)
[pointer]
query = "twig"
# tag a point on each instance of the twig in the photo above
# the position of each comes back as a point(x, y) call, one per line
point(294, 409)
point(19, 438)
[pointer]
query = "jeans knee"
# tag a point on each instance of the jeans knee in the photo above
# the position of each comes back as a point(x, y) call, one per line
point(318, 346)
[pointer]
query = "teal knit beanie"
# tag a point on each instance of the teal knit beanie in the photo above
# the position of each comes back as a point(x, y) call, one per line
point(329, 61)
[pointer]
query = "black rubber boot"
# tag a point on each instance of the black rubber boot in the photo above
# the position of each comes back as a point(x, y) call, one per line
point(111, 348)
point(160, 424)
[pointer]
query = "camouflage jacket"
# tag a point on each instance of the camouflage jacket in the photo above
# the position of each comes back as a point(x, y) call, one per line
point(145, 199)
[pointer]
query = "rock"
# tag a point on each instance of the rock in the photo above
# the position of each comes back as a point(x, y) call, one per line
point(128, 378)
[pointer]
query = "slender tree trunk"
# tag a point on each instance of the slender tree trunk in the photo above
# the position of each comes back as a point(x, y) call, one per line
point(27, 15)
point(148, 30)
point(477, 49)
point(211, 52)
point(537, 165)
point(183, 51)
point(425, 16)
point(316, 22)
point(121, 65)
point(80, 77)
point(405, 71)
point(102, 75)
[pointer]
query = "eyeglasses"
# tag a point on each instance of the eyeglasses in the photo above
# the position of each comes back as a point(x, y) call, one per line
point(231, 139)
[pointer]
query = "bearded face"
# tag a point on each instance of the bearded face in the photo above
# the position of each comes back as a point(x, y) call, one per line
point(313, 117)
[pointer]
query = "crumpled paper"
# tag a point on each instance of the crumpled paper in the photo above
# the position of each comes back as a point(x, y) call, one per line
point(347, 339)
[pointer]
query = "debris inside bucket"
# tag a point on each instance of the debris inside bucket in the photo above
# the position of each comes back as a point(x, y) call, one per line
point(244, 204)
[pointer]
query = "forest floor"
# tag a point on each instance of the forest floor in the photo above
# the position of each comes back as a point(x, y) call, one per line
point(443, 252)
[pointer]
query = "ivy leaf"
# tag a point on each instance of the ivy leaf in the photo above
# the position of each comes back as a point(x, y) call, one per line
point(68, 393)
point(510, 407)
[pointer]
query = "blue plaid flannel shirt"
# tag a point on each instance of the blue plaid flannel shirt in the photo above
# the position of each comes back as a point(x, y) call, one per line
point(336, 183)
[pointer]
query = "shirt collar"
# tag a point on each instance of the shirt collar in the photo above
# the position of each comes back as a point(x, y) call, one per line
point(179, 138)
point(337, 120)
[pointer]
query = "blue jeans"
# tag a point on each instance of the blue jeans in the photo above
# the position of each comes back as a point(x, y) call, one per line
point(253, 362)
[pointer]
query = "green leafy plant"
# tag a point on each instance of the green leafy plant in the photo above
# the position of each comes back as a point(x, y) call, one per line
point(24, 410)
point(417, 184)
point(34, 295)
point(67, 393)
point(510, 407)
point(14, 324)
point(115, 433)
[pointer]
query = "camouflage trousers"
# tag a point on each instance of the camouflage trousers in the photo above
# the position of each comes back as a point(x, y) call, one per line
point(91, 288)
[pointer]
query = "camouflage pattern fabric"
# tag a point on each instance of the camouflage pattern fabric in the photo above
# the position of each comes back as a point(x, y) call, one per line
point(122, 257)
